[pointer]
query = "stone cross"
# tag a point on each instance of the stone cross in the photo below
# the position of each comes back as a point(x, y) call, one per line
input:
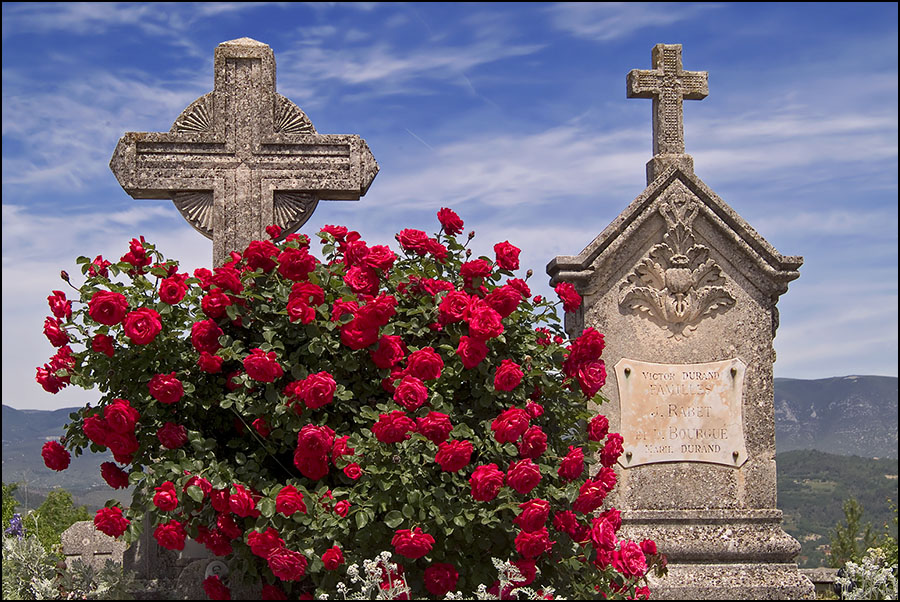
point(243, 157)
point(83, 541)
point(667, 84)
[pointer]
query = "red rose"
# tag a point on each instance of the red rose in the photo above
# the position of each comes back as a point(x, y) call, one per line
point(425, 364)
point(205, 336)
point(215, 589)
point(629, 560)
point(504, 299)
point(111, 521)
point(120, 416)
point(598, 427)
point(532, 545)
point(380, 257)
point(353, 471)
point(172, 290)
point(521, 286)
point(591, 376)
point(484, 322)
point(211, 364)
point(55, 456)
point(272, 592)
point(590, 496)
point(510, 425)
point(362, 280)
point(59, 306)
point(377, 312)
point(333, 558)
point(259, 255)
point(228, 278)
point(142, 325)
point(340, 448)
point(454, 307)
point(612, 450)
point(317, 390)
point(413, 240)
point(137, 256)
point(441, 578)
point(290, 500)
point(215, 304)
point(102, 343)
point(262, 427)
point(454, 455)
point(55, 333)
point(356, 335)
point(569, 296)
point(572, 465)
point(533, 516)
point(603, 535)
point(507, 256)
point(296, 264)
point(204, 485)
point(477, 268)
point(263, 366)
point(486, 482)
point(262, 544)
point(274, 231)
point(389, 353)
point(228, 527)
point(412, 544)
point(393, 427)
point(435, 427)
point(452, 225)
point(114, 476)
point(315, 441)
point(508, 376)
point(287, 565)
point(107, 308)
point(171, 435)
point(471, 351)
point(170, 535)
point(567, 522)
point(338, 232)
point(411, 393)
point(523, 475)
point(166, 388)
point(648, 547)
point(342, 508)
point(241, 502)
point(166, 498)
point(533, 443)
point(96, 429)
point(99, 267)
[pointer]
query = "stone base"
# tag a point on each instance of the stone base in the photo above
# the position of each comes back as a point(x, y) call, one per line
point(732, 582)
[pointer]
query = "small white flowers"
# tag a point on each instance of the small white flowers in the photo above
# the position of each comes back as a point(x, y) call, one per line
point(874, 579)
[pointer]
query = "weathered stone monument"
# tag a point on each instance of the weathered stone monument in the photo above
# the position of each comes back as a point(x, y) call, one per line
point(243, 157)
point(685, 291)
point(83, 541)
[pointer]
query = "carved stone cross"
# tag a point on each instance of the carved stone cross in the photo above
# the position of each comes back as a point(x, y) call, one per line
point(667, 84)
point(243, 157)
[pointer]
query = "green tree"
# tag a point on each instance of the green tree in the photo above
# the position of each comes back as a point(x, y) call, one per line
point(55, 515)
point(847, 543)
point(9, 502)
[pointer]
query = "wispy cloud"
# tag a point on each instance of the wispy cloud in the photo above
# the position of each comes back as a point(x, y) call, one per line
point(607, 21)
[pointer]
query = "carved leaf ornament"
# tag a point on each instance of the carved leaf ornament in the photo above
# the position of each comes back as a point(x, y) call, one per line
point(677, 284)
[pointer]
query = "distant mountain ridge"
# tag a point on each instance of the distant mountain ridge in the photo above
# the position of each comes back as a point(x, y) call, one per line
point(847, 415)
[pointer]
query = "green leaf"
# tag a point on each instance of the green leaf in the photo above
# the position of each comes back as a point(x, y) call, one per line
point(393, 519)
point(195, 493)
point(361, 520)
point(267, 507)
point(408, 511)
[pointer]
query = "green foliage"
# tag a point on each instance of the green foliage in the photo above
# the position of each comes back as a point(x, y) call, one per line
point(55, 515)
point(9, 502)
point(850, 541)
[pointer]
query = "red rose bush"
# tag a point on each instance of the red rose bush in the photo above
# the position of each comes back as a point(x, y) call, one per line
point(296, 415)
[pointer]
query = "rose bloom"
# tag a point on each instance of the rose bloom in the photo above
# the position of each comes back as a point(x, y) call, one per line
point(338, 232)
point(166, 388)
point(205, 336)
point(107, 308)
point(440, 578)
point(510, 425)
point(166, 499)
point(380, 257)
point(486, 482)
point(611, 450)
point(454, 455)
point(317, 390)
point(523, 475)
point(55, 333)
point(172, 290)
point(241, 502)
point(55, 456)
point(120, 416)
point(296, 264)
point(507, 255)
point(59, 305)
point(259, 255)
point(342, 508)
point(435, 427)
point(569, 296)
point(215, 304)
point(102, 343)
point(484, 322)
point(390, 351)
point(353, 471)
point(262, 544)
point(412, 544)
point(111, 521)
point(228, 527)
point(357, 335)
point(290, 500)
point(333, 558)
point(263, 366)
point(504, 299)
point(629, 560)
point(477, 268)
point(262, 427)
point(425, 364)
point(315, 441)
point(591, 376)
point(508, 376)
point(454, 307)
point(393, 427)
point(96, 429)
point(471, 351)
point(598, 427)
point(228, 278)
point(170, 535)
point(533, 516)
point(413, 240)
point(272, 592)
point(590, 496)
point(211, 364)
point(533, 443)
point(215, 589)
point(311, 467)
point(195, 481)
point(411, 393)
point(171, 435)
point(362, 280)
point(340, 448)
point(142, 325)
point(274, 231)
point(572, 465)
point(532, 545)
point(287, 565)
point(114, 476)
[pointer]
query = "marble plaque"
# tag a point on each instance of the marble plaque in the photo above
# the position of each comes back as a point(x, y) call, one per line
point(681, 412)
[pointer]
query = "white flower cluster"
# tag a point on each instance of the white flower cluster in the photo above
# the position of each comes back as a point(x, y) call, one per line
point(874, 579)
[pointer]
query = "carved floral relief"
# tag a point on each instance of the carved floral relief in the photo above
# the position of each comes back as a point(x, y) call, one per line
point(677, 284)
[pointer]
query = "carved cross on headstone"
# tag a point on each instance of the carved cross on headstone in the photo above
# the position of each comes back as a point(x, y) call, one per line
point(243, 157)
point(667, 84)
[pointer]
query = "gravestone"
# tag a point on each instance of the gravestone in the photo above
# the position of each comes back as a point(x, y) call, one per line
point(83, 541)
point(243, 157)
point(685, 291)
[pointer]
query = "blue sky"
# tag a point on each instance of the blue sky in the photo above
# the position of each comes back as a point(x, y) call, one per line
point(514, 115)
